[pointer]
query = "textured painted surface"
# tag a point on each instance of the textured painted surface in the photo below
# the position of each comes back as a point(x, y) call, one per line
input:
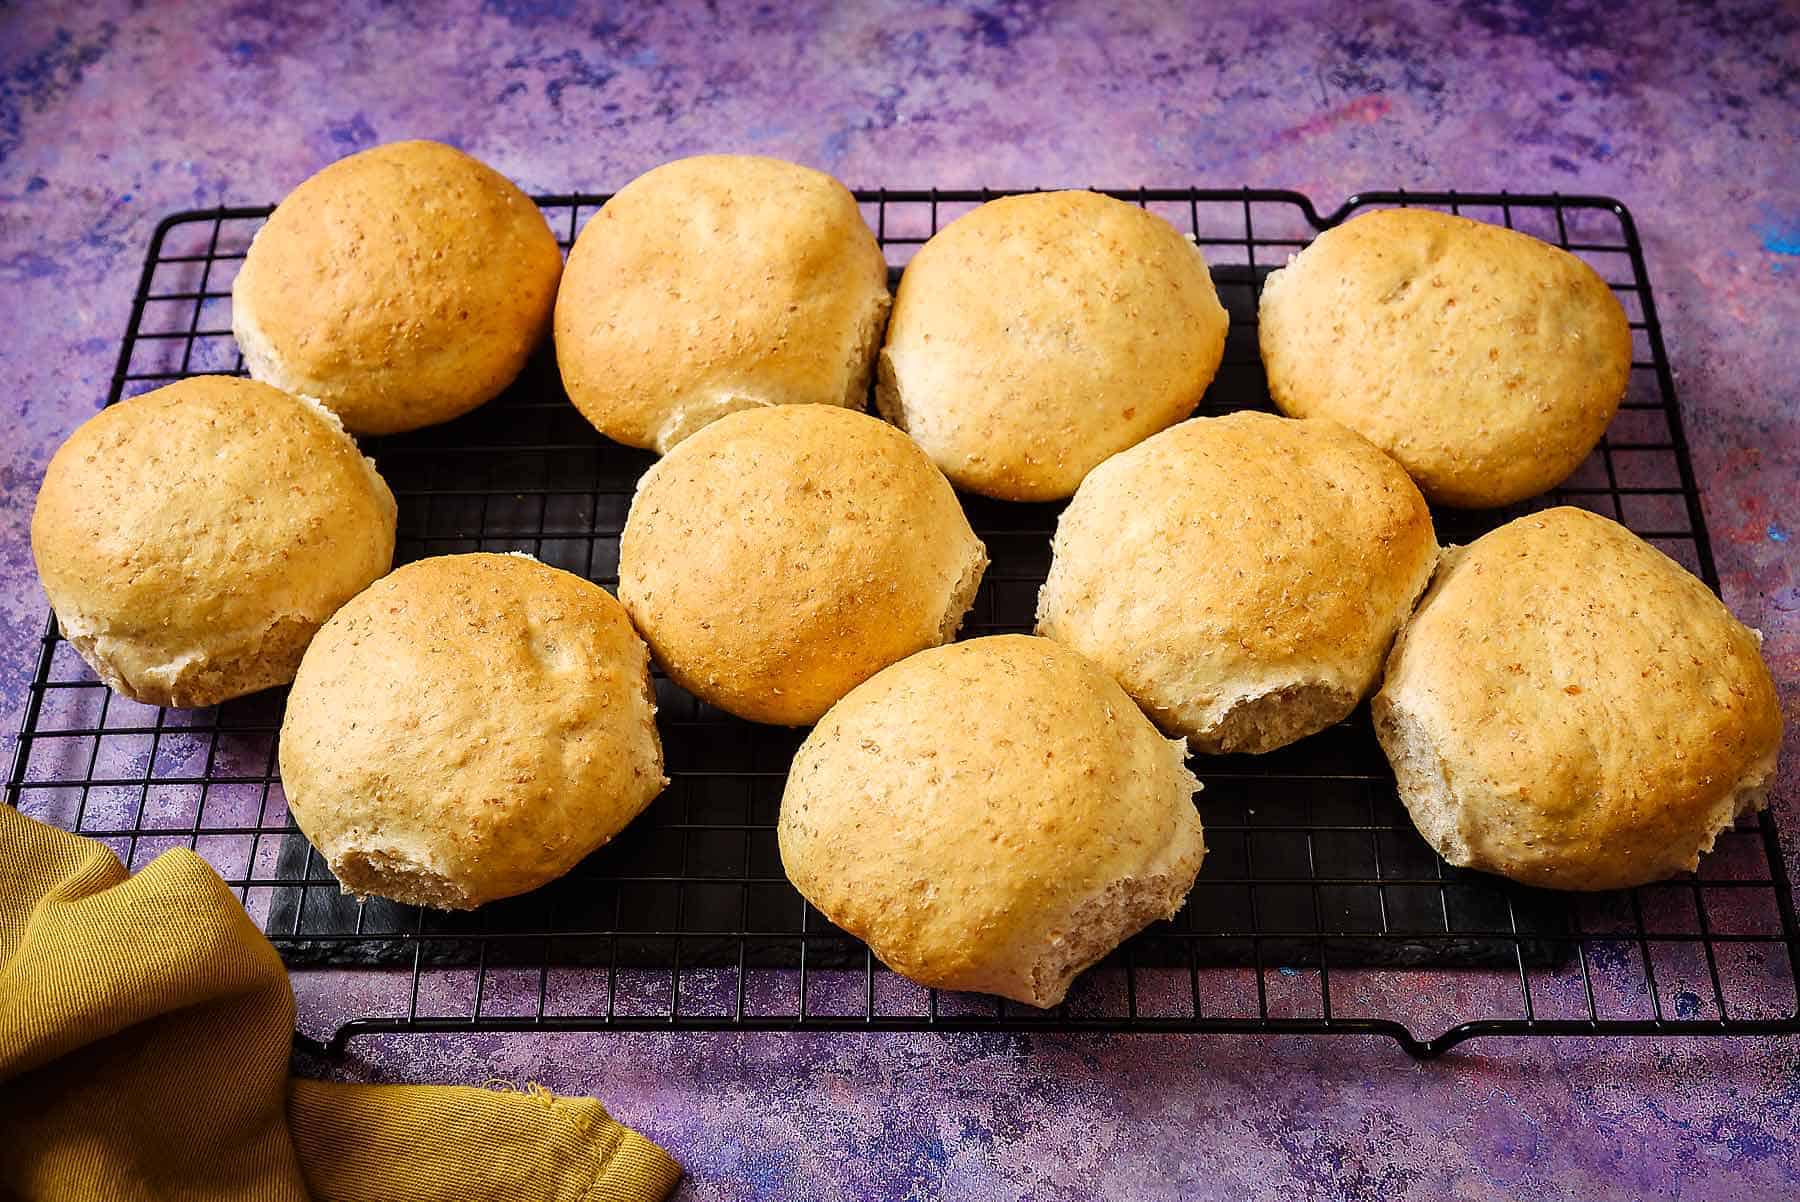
point(111, 115)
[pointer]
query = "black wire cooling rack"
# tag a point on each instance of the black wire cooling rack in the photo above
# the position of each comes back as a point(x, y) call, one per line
point(1318, 908)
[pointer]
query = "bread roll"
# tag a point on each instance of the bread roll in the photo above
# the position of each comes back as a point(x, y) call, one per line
point(1488, 363)
point(470, 728)
point(993, 815)
point(192, 539)
point(714, 284)
point(1571, 709)
point(1242, 576)
point(781, 556)
point(1039, 334)
point(401, 287)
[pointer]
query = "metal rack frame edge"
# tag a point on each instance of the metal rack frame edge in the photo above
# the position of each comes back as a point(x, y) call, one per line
point(1420, 1048)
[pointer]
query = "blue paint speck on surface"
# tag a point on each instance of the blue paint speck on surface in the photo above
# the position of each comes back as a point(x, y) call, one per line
point(1687, 1004)
point(1779, 231)
point(929, 1155)
point(36, 183)
point(529, 12)
point(991, 29)
point(1777, 532)
point(976, 1134)
point(28, 265)
point(243, 52)
point(1744, 1139)
point(37, 81)
point(355, 132)
point(573, 70)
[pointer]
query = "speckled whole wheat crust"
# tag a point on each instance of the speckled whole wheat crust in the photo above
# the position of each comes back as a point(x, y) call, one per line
point(1039, 334)
point(192, 539)
point(784, 555)
point(401, 287)
point(1572, 709)
point(469, 728)
point(1487, 362)
point(1241, 576)
point(994, 815)
point(714, 284)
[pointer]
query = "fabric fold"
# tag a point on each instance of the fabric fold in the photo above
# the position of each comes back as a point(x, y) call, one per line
point(389, 1143)
point(145, 1027)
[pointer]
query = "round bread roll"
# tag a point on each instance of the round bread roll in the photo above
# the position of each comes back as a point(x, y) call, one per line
point(993, 815)
point(1488, 363)
point(470, 728)
point(1242, 576)
point(782, 556)
point(193, 539)
point(714, 284)
point(401, 287)
point(1571, 709)
point(1039, 334)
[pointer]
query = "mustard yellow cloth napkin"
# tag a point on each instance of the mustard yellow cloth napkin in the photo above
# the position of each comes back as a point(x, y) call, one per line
point(145, 1026)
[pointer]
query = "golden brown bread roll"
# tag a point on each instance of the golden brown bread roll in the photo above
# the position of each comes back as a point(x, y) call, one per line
point(1488, 363)
point(1572, 709)
point(719, 283)
point(193, 539)
point(994, 815)
point(1241, 576)
point(400, 287)
point(783, 555)
point(469, 728)
point(1039, 334)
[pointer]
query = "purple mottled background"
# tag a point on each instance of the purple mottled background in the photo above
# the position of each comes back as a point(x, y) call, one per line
point(113, 113)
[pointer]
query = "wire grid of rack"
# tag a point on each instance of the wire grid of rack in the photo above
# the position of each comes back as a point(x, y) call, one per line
point(1318, 908)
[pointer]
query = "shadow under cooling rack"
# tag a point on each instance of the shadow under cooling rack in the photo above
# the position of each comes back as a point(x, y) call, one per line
point(1318, 908)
